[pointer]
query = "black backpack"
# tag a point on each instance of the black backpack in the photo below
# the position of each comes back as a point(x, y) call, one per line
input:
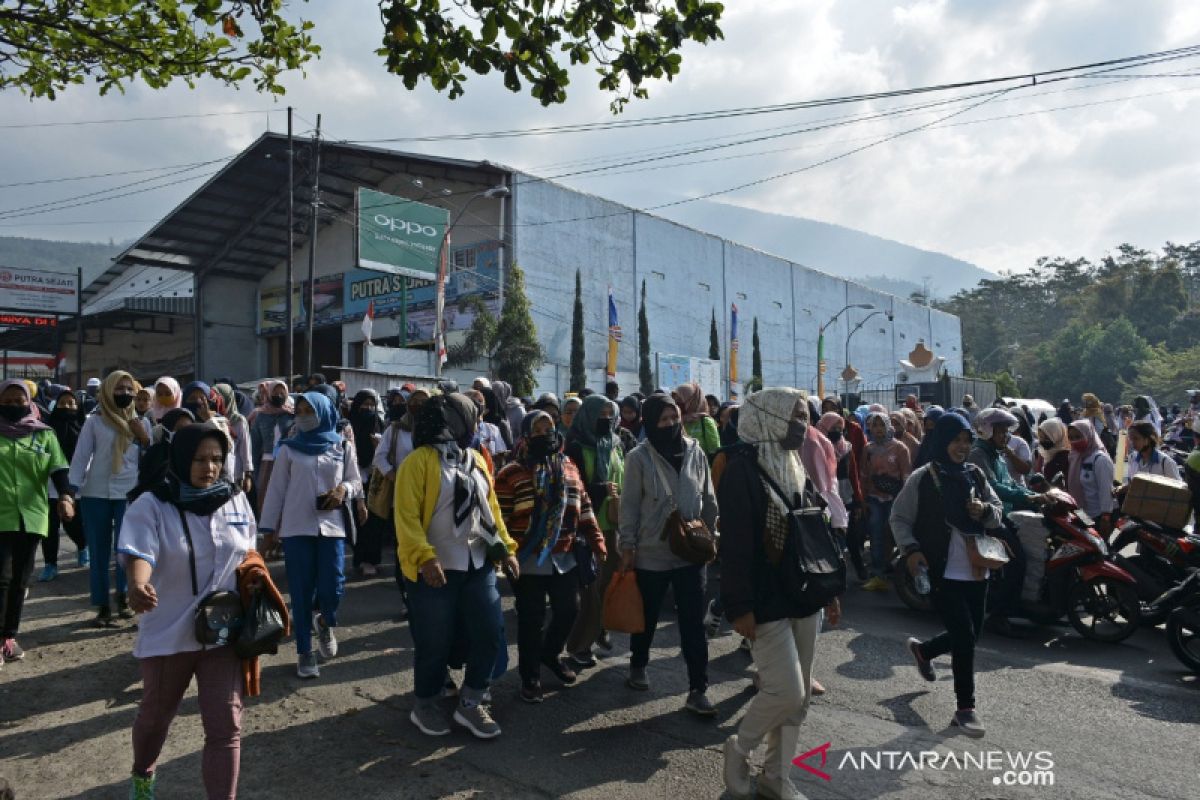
point(812, 570)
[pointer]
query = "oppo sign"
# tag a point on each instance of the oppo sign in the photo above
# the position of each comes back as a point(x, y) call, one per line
point(399, 236)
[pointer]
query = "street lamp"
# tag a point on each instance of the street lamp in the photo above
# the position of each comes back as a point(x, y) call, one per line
point(856, 329)
point(979, 365)
point(496, 192)
point(821, 345)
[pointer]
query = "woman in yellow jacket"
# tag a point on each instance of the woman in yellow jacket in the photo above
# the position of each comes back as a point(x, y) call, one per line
point(449, 534)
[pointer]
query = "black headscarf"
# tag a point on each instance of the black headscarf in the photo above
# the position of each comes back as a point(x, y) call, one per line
point(495, 414)
point(446, 420)
point(635, 405)
point(178, 489)
point(955, 478)
point(365, 427)
point(66, 423)
point(669, 444)
point(729, 434)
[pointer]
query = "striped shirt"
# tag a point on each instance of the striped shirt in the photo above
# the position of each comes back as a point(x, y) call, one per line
point(516, 495)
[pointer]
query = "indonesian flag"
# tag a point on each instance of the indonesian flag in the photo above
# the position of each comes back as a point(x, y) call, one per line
point(368, 321)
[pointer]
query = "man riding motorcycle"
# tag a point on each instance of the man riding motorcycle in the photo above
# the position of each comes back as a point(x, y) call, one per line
point(988, 453)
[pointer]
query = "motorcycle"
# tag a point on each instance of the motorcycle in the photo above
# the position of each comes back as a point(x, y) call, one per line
point(1165, 558)
point(1080, 579)
point(1181, 606)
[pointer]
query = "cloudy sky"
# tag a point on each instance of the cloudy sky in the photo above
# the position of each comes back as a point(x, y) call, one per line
point(1072, 168)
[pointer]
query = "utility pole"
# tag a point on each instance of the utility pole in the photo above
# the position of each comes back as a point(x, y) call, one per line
point(312, 246)
point(289, 357)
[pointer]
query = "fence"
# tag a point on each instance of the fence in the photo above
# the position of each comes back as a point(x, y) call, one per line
point(947, 393)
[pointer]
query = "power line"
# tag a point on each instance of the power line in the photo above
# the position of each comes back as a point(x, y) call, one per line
point(103, 175)
point(160, 118)
point(670, 119)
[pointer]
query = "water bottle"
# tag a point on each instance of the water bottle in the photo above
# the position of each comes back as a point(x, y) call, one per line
point(921, 580)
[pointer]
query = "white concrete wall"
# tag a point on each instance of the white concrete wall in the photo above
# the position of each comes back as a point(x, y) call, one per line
point(688, 273)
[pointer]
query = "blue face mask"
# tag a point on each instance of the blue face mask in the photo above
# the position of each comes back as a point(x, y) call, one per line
point(308, 422)
point(187, 492)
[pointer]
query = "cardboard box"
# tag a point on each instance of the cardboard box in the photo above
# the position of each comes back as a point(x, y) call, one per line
point(1157, 499)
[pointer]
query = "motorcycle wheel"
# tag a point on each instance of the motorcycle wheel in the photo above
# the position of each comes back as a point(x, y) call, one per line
point(1184, 640)
point(907, 589)
point(1103, 609)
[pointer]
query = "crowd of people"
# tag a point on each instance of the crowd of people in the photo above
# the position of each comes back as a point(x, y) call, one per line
point(168, 492)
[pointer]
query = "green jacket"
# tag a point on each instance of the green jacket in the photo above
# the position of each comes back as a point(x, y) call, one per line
point(616, 474)
point(1013, 495)
point(25, 468)
point(704, 431)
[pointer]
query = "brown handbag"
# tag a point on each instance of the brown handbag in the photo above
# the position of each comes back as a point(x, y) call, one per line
point(689, 539)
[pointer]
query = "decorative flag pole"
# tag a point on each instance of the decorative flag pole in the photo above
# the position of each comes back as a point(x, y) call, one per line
point(368, 321)
point(614, 336)
point(734, 386)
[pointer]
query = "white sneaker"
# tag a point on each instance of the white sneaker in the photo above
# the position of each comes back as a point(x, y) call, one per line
point(327, 643)
point(737, 770)
point(306, 666)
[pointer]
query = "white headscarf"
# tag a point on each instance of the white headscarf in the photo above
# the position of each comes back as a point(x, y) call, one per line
point(763, 421)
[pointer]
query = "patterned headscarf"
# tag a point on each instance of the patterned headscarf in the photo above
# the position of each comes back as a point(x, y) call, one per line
point(763, 422)
point(549, 492)
point(28, 424)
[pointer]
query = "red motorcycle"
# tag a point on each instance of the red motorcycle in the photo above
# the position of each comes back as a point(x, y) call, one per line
point(1165, 558)
point(1069, 572)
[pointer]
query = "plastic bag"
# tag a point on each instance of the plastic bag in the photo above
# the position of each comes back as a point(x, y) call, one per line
point(262, 630)
point(623, 611)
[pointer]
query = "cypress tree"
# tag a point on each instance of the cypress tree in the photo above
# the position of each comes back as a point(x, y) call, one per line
point(756, 371)
point(714, 339)
point(518, 351)
point(645, 372)
point(578, 380)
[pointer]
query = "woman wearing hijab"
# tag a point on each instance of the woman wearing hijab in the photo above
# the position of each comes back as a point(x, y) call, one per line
point(142, 399)
point(170, 571)
point(1053, 449)
point(167, 395)
point(754, 533)
point(849, 487)
point(902, 434)
point(104, 470)
point(31, 457)
point(941, 503)
point(206, 405)
point(268, 425)
point(854, 426)
point(450, 534)
point(697, 424)
point(630, 427)
point(925, 453)
point(496, 415)
point(1090, 475)
point(596, 451)
point(366, 418)
point(66, 422)
point(396, 444)
point(545, 509)
point(156, 461)
point(885, 467)
point(239, 433)
point(570, 408)
point(668, 472)
point(307, 506)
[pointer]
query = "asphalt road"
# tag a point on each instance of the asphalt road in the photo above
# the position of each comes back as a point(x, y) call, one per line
point(1117, 721)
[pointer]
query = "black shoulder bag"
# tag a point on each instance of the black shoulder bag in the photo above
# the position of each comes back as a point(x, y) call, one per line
point(812, 570)
point(219, 617)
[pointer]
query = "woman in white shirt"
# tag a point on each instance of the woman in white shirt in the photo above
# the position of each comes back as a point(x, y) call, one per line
point(314, 477)
point(1090, 475)
point(104, 470)
point(1145, 457)
point(170, 571)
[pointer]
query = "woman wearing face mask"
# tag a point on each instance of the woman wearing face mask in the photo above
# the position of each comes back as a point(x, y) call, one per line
point(696, 422)
point(449, 534)
point(206, 405)
point(66, 422)
point(667, 460)
point(849, 486)
point(488, 438)
point(597, 454)
point(315, 476)
point(104, 470)
point(368, 425)
point(1090, 475)
point(1052, 454)
point(154, 464)
point(268, 425)
point(943, 501)
point(142, 400)
point(755, 583)
point(239, 434)
point(170, 570)
point(886, 465)
point(545, 508)
point(631, 418)
point(167, 396)
point(31, 457)
point(395, 446)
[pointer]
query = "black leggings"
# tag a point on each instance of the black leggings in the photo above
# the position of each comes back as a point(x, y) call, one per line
point(961, 604)
point(74, 530)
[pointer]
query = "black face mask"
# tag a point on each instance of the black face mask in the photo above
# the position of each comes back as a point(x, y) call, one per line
point(14, 413)
point(835, 436)
point(122, 400)
point(195, 408)
point(796, 431)
point(1045, 445)
point(604, 426)
point(396, 412)
point(278, 402)
point(542, 446)
point(666, 438)
point(365, 414)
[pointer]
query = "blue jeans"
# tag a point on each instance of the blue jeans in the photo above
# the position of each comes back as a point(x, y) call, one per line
point(102, 527)
point(469, 602)
point(314, 570)
point(878, 512)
